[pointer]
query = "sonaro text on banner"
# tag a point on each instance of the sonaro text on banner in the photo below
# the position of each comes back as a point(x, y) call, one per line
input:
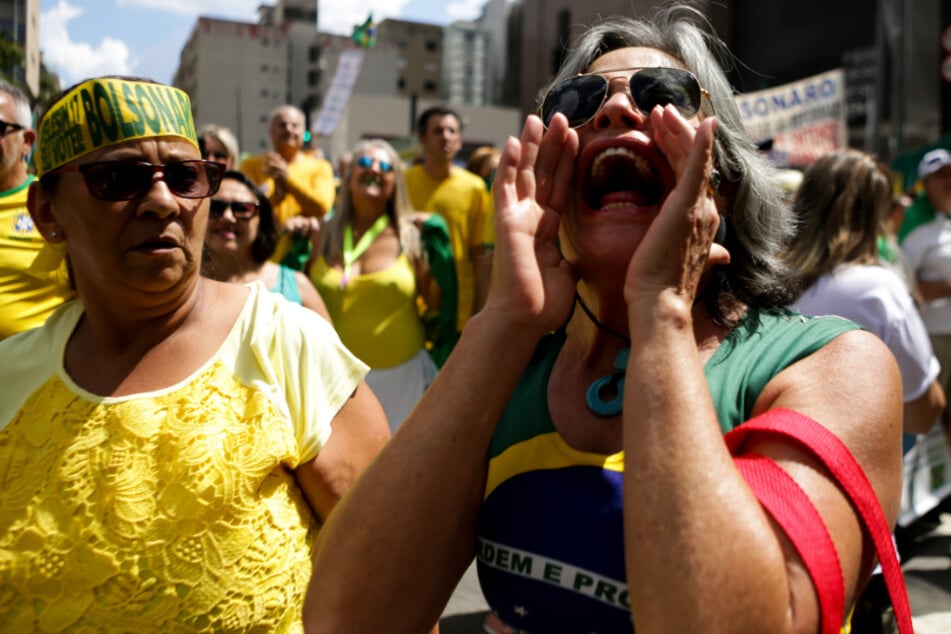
point(805, 119)
point(348, 68)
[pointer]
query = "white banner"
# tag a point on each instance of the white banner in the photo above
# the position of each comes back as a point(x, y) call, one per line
point(927, 478)
point(805, 119)
point(348, 68)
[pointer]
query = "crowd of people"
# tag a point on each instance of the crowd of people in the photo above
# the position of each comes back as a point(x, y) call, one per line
point(247, 393)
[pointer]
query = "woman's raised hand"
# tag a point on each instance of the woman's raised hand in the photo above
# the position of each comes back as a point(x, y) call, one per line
point(531, 284)
point(679, 246)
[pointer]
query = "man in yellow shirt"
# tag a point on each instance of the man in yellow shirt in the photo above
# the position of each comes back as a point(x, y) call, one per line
point(436, 185)
point(27, 297)
point(296, 182)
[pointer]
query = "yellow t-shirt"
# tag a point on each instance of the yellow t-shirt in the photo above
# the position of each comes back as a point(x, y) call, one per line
point(173, 510)
point(461, 200)
point(310, 174)
point(375, 314)
point(27, 297)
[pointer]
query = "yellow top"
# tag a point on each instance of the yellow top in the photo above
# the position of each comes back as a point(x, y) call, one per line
point(27, 296)
point(102, 112)
point(375, 314)
point(313, 175)
point(174, 510)
point(461, 200)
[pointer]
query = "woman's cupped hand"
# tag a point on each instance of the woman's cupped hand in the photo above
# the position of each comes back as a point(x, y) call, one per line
point(532, 285)
point(679, 247)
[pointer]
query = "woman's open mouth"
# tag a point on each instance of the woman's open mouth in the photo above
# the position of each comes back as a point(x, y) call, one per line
point(619, 178)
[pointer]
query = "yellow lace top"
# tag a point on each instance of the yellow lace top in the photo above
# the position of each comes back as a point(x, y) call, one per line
point(176, 510)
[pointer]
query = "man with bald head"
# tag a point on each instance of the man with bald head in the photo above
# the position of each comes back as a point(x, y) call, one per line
point(296, 182)
point(28, 293)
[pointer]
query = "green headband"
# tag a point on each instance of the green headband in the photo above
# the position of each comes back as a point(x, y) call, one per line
point(103, 112)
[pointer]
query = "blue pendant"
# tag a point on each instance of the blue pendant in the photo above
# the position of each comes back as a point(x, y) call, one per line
point(612, 383)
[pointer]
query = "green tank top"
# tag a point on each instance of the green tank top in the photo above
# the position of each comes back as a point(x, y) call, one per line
point(736, 374)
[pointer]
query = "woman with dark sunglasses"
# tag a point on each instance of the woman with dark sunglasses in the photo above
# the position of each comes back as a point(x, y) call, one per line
point(169, 445)
point(242, 236)
point(574, 441)
point(371, 268)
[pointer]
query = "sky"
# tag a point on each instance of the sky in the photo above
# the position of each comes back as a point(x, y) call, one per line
point(82, 38)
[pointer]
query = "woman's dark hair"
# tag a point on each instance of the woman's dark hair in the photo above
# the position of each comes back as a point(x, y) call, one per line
point(265, 243)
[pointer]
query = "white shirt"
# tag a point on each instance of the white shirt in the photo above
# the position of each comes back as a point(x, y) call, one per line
point(877, 299)
point(927, 250)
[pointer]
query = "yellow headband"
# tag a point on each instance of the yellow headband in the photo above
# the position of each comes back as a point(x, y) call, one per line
point(102, 112)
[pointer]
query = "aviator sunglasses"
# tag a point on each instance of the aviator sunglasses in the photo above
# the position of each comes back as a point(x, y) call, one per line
point(579, 98)
point(240, 210)
point(367, 162)
point(130, 180)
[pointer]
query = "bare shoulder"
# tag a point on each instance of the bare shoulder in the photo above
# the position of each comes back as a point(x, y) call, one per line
point(852, 386)
point(853, 375)
point(225, 300)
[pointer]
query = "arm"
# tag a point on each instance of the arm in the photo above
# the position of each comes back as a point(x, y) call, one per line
point(314, 192)
point(919, 415)
point(359, 431)
point(694, 532)
point(310, 298)
point(411, 517)
point(930, 290)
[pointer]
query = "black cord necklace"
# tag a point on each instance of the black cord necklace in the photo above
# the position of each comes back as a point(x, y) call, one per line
point(605, 396)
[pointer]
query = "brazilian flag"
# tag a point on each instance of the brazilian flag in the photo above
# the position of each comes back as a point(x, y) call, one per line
point(365, 34)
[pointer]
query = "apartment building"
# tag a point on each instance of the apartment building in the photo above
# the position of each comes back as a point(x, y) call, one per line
point(20, 23)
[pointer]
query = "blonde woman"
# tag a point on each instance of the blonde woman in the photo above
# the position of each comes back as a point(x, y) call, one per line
point(370, 270)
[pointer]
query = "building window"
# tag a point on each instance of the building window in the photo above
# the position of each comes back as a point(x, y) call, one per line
point(429, 86)
point(263, 68)
point(313, 53)
point(401, 84)
point(312, 78)
point(432, 45)
point(264, 93)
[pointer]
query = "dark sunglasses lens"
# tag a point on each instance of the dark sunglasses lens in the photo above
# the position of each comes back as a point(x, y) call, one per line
point(118, 180)
point(653, 87)
point(217, 207)
point(238, 210)
point(193, 179)
point(243, 210)
point(577, 98)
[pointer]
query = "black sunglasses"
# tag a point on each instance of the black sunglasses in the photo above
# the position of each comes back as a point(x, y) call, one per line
point(6, 127)
point(579, 98)
point(241, 211)
point(129, 180)
point(367, 162)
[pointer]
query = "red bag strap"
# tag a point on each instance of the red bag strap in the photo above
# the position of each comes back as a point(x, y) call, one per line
point(847, 472)
point(792, 509)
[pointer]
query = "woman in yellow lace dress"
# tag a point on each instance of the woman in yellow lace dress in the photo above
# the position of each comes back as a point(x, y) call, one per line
point(169, 445)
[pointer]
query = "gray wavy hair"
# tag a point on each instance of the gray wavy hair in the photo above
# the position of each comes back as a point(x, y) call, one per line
point(21, 103)
point(759, 223)
point(398, 207)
